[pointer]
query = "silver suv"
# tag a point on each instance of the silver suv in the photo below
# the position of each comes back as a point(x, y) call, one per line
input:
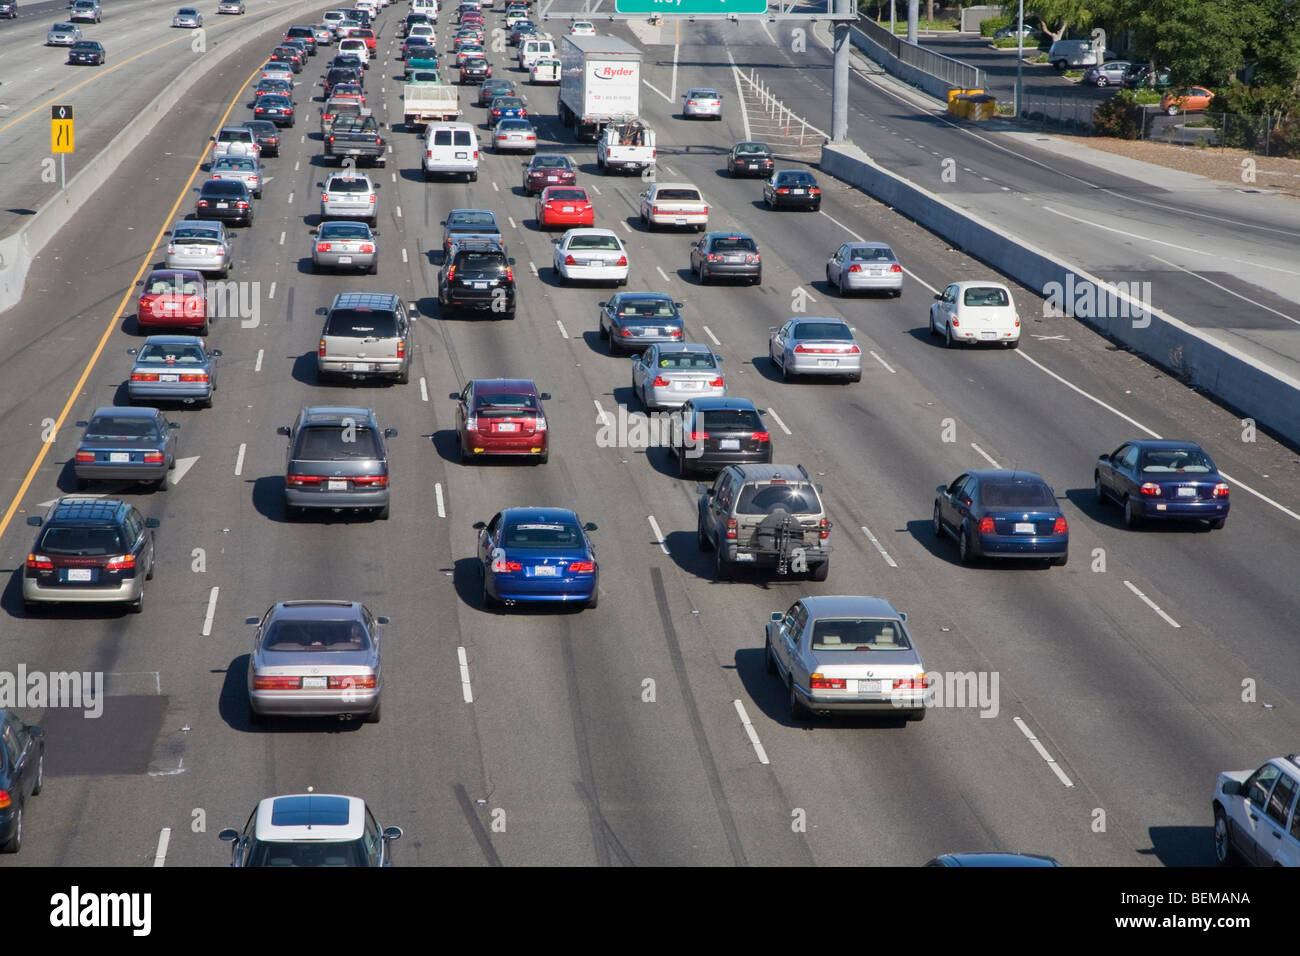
point(366, 335)
point(350, 196)
point(765, 515)
point(337, 459)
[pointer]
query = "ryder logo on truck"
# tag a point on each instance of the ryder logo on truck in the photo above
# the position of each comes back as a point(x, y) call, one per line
point(608, 71)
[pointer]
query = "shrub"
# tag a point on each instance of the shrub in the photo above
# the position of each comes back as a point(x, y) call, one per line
point(993, 24)
point(1119, 117)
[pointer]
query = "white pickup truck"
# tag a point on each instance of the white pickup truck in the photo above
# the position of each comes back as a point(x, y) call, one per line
point(426, 98)
point(626, 146)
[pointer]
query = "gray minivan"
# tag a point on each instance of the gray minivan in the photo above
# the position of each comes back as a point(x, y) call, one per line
point(337, 459)
point(366, 335)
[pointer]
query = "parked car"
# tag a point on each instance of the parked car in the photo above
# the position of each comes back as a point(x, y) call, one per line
point(336, 460)
point(311, 829)
point(173, 368)
point(500, 416)
point(1256, 818)
point(996, 513)
point(1187, 100)
point(1139, 74)
point(1111, 73)
point(1162, 480)
point(537, 555)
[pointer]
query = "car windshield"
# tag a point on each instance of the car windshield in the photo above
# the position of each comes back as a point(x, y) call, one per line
point(592, 243)
point(567, 195)
point(834, 331)
point(759, 499)
point(731, 419)
point(534, 535)
point(344, 230)
point(115, 426)
point(691, 195)
point(64, 26)
point(172, 285)
point(361, 323)
point(80, 541)
point(288, 635)
point(687, 360)
point(872, 254)
point(332, 442)
point(734, 244)
point(647, 307)
point(1176, 459)
point(1015, 494)
point(986, 297)
point(157, 354)
point(858, 634)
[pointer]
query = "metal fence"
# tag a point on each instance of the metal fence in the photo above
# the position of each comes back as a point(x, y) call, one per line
point(954, 72)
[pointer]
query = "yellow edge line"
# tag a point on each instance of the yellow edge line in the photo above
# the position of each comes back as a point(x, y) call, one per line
point(117, 315)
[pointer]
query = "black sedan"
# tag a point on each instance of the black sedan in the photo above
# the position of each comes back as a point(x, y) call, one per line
point(792, 188)
point(267, 135)
point(278, 109)
point(87, 53)
point(1162, 481)
point(339, 75)
point(716, 432)
point(995, 513)
point(22, 775)
point(750, 159)
point(226, 199)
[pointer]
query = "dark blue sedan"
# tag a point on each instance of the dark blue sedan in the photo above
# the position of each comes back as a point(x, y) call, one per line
point(1162, 480)
point(537, 554)
point(1002, 514)
point(126, 444)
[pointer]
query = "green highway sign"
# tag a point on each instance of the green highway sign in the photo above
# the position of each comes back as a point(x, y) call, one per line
point(690, 7)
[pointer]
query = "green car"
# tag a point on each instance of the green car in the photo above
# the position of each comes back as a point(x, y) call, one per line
point(421, 58)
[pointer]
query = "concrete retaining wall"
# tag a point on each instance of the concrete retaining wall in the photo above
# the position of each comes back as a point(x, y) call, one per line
point(895, 67)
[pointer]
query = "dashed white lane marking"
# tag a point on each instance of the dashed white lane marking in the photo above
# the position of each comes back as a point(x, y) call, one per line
point(882, 362)
point(281, 238)
point(1042, 752)
point(257, 366)
point(239, 460)
point(879, 547)
point(601, 413)
point(626, 226)
point(592, 187)
point(290, 200)
point(659, 535)
point(465, 689)
point(212, 611)
point(512, 222)
point(753, 734)
point(1151, 604)
point(662, 273)
point(160, 855)
point(297, 165)
point(271, 293)
point(671, 171)
point(437, 493)
point(710, 334)
point(398, 211)
point(404, 259)
point(985, 455)
point(424, 389)
point(496, 188)
point(777, 418)
point(563, 331)
point(532, 267)
point(394, 175)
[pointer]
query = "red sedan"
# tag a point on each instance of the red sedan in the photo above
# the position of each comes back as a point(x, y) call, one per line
point(565, 206)
point(501, 416)
point(173, 299)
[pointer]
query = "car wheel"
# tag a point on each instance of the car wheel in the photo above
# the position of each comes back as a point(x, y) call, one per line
point(1062, 561)
point(699, 227)
point(965, 550)
point(1172, 111)
point(595, 600)
point(704, 276)
point(916, 716)
point(820, 572)
point(794, 706)
point(786, 374)
point(933, 330)
point(701, 538)
point(855, 377)
point(149, 575)
point(473, 177)
point(15, 842)
point(1098, 489)
point(255, 717)
point(40, 775)
point(543, 458)
point(404, 377)
point(601, 331)
point(1131, 519)
point(621, 282)
point(1224, 852)
point(721, 566)
point(559, 276)
point(769, 659)
point(1014, 344)
point(373, 716)
point(1101, 81)
point(936, 523)
point(683, 466)
point(1217, 523)
point(160, 484)
point(948, 340)
point(488, 600)
point(136, 606)
point(381, 514)
point(374, 268)
point(203, 329)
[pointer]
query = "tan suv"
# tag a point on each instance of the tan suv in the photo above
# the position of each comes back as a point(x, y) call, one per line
point(765, 515)
point(366, 335)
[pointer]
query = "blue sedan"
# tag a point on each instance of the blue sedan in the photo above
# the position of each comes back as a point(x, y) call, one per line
point(1162, 480)
point(537, 554)
point(996, 513)
point(126, 444)
point(176, 368)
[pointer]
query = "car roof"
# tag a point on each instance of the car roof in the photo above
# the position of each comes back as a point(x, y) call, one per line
point(1162, 443)
point(849, 605)
point(126, 411)
point(178, 273)
point(316, 611)
point(996, 859)
point(766, 472)
point(1006, 474)
point(372, 300)
point(869, 245)
point(677, 186)
point(684, 347)
point(173, 340)
point(307, 817)
point(982, 284)
point(510, 386)
point(722, 402)
point(455, 211)
point(584, 230)
point(81, 509)
point(526, 512)
point(728, 234)
point(823, 318)
point(334, 414)
point(640, 295)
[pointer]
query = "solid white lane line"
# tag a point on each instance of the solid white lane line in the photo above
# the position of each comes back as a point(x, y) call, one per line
point(753, 734)
point(563, 331)
point(466, 691)
point(164, 838)
point(212, 611)
point(777, 418)
point(1042, 752)
point(882, 362)
point(879, 547)
point(672, 90)
point(710, 334)
point(437, 493)
point(1151, 604)
point(986, 456)
point(424, 389)
point(1197, 275)
point(600, 413)
point(239, 460)
point(257, 366)
point(657, 90)
point(659, 535)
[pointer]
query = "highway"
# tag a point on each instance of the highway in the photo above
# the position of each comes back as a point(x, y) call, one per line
point(615, 736)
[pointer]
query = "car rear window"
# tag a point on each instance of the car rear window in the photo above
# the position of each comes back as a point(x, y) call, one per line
point(241, 163)
point(684, 195)
point(986, 297)
point(361, 323)
point(487, 403)
point(514, 125)
point(114, 426)
point(1015, 494)
point(872, 254)
point(235, 136)
point(476, 262)
point(858, 634)
point(168, 354)
point(687, 360)
point(223, 188)
point(592, 243)
point(172, 285)
point(798, 499)
point(834, 331)
point(442, 137)
point(734, 244)
point(751, 149)
point(334, 442)
point(646, 307)
point(568, 195)
point(85, 542)
point(731, 419)
point(795, 179)
point(315, 636)
point(1176, 459)
point(463, 137)
point(344, 230)
point(344, 185)
point(537, 535)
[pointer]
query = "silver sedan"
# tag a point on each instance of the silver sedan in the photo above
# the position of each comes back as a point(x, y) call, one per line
point(815, 347)
point(846, 654)
point(187, 17)
point(316, 658)
point(178, 368)
point(244, 169)
point(350, 195)
point(702, 101)
point(668, 376)
point(63, 34)
point(345, 245)
point(200, 244)
point(865, 266)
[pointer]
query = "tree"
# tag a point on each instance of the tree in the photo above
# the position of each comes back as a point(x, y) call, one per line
point(1199, 41)
point(1055, 17)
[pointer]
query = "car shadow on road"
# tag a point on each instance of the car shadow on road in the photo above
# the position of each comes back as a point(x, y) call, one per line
point(304, 369)
point(770, 694)
point(233, 707)
point(1111, 514)
point(1181, 846)
point(595, 343)
point(12, 601)
point(922, 335)
point(945, 549)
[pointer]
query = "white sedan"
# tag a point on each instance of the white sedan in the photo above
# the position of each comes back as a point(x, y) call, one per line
point(971, 312)
point(702, 101)
point(591, 255)
point(582, 28)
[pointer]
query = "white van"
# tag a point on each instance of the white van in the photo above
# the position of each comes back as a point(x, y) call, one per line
point(530, 51)
point(356, 47)
point(429, 7)
point(1067, 54)
point(451, 149)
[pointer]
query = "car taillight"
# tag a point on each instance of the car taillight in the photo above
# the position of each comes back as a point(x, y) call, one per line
point(324, 197)
point(371, 481)
point(367, 247)
point(1150, 488)
point(570, 261)
point(855, 268)
point(121, 562)
point(895, 268)
point(502, 566)
point(699, 436)
point(320, 350)
point(582, 567)
point(711, 256)
point(85, 456)
point(690, 102)
point(824, 529)
point(910, 683)
point(1060, 527)
point(135, 377)
point(171, 248)
point(622, 261)
point(373, 197)
point(783, 190)
point(731, 528)
point(510, 275)
point(153, 458)
point(401, 350)
point(39, 562)
point(241, 205)
point(277, 683)
point(1220, 490)
point(801, 349)
point(676, 333)
point(753, 258)
point(428, 154)
point(986, 526)
point(194, 377)
point(821, 682)
point(659, 382)
point(344, 681)
point(815, 191)
point(853, 350)
point(716, 383)
point(202, 203)
point(654, 210)
point(451, 273)
point(760, 436)
point(5, 799)
point(322, 247)
point(298, 481)
point(539, 423)
point(1017, 323)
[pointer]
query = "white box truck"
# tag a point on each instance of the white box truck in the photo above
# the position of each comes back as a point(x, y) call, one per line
point(600, 83)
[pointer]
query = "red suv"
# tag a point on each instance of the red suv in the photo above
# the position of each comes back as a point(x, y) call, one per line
point(501, 416)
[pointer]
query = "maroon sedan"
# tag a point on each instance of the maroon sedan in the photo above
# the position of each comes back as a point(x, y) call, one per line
point(501, 416)
point(548, 169)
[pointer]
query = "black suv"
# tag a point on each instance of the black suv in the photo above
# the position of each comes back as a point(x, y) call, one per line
point(90, 551)
point(337, 459)
point(306, 35)
point(477, 275)
point(716, 432)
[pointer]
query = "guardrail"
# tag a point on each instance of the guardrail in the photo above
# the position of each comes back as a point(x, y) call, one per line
point(910, 62)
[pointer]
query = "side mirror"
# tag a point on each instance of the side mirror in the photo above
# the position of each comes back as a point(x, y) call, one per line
point(215, 353)
point(775, 616)
point(478, 525)
point(390, 432)
point(589, 526)
point(82, 424)
point(1232, 788)
point(283, 430)
point(902, 615)
point(174, 426)
point(511, 261)
point(151, 522)
point(228, 835)
point(938, 296)
point(252, 621)
point(314, 232)
point(602, 304)
point(941, 490)
point(545, 396)
point(132, 351)
point(678, 305)
point(382, 620)
point(34, 521)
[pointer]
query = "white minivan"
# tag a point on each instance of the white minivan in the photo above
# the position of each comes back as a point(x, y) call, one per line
point(426, 6)
point(530, 51)
point(451, 149)
point(356, 46)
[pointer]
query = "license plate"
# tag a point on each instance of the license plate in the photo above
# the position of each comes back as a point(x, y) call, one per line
point(336, 484)
point(729, 444)
point(546, 571)
point(515, 136)
point(690, 386)
point(119, 457)
point(796, 192)
point(315, 683)
point(169, 378)
point(552, 179)
point(361, 367)
point(649, 331)
point(193, 252)
point(827, 363)
point(1024, 527)
point(480, 285)
point(735, 259)
point(566, 209)
point(508, 427)
point(462, 155)
point(1160, 507)
point(345, 260)
point(595, 262)
point(877, 272)
point(744, 557)
point(875, 686)
point(988, 335)
point(1186, 492)
point(681, 222)
point(81, 574)
point(223, 205)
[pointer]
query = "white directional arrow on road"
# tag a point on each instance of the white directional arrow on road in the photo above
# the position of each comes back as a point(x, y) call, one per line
point(183, 465)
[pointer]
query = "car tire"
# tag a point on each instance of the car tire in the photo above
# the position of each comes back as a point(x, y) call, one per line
point(684, 469)
point(136, 606)
point(374, 715)
point(948, 340)
point(82, 484)
point(256, 718)
point(1062, 561)
point(933, 330)
point(699, 227)
point(543, 458)
point(404, 377)
point(701, 538)
point(1217, 523)
point(1101, 81)
point(40, 775)
point(594, 601)
point(916, 716)
point(821, 571)
point(204, 328)
point(15, 842)
point(1014, 343)
point(1172, 111)
point(621, 282)
point(559, 277)
point(936, 522)
point(721, 567)
point(489, 601)
point(965, 550)
point(473, 177)
point(1131, 517)
point(769, 658)
point(601, 332)
point(1224, 852)
point(855, 377)
point(704, 276)
point(381, 514)
point(795, 708)
point(1098, 489)
point(160, 484)
point(149, 574)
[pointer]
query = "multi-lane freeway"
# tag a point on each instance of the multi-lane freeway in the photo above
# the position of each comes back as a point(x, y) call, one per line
point(645, 731)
